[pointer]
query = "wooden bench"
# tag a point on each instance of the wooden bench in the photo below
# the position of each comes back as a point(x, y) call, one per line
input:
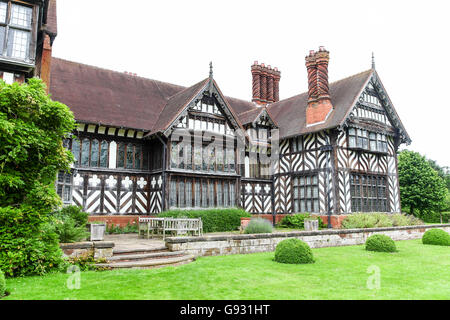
point(174, 226)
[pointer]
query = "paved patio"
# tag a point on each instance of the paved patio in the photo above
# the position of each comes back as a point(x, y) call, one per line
point(132, 241)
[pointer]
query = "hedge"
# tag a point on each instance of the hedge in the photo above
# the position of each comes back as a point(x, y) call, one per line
point(297, 221)
point(258, 225)
point(2, 284)
point(214, 220)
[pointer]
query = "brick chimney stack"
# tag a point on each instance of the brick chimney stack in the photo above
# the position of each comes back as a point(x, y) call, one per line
point(319, 101)
point(265, 83)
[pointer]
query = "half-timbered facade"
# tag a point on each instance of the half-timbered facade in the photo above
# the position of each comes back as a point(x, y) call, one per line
point(143, 146)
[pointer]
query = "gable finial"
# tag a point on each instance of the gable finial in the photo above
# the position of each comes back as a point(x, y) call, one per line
point(210, 70)
point(373, 61)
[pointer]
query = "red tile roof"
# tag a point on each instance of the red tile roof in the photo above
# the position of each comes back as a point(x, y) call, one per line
point(113, 98)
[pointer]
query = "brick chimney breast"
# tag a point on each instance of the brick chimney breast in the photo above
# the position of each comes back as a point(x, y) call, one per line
point(265, 83)
point(319, 100)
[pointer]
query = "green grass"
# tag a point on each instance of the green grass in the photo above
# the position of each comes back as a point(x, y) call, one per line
point(416, 271)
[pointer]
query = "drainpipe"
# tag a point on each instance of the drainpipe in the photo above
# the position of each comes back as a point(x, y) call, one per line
point(163, 196)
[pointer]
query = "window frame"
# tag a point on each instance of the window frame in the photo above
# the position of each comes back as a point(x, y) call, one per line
point(30, 54)
point(380, 140)
point(367, 196)
point(298, 196)
point(64, 185)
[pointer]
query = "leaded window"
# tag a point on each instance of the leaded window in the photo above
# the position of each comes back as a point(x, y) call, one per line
point(201, 192)
point(368, 193)
point(15, 30)
point(85, 151)
point(306, 193)
point(64, 186)
point(131, 156)
point(188, 194)
point(363, 139)
point(76, 150)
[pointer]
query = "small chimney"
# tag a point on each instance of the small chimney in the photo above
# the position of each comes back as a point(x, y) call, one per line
point(265, 83)
point(319, 101)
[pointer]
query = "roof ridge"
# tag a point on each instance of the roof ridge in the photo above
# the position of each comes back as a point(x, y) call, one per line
point(255, 108)
point(118, 72)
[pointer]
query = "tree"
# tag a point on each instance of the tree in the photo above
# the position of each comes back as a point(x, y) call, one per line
point(443, 172)
point(422, 191)
point(32, 129)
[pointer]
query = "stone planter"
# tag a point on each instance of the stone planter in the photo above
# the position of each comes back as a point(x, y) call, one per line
point(311, 225)
point(97, 231)
point(244, 223)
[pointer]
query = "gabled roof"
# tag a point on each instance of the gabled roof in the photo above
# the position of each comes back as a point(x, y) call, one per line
point(290, 114)
point(253, 115)
point(175, 104)
point(106, 97)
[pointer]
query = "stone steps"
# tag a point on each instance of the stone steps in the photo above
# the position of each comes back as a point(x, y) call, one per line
point(145, 256)
point(149, 263)
point(118, 252)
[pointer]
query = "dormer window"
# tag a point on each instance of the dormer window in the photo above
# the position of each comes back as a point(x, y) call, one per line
point(15, 30)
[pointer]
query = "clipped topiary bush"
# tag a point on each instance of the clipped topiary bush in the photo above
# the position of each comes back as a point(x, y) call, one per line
point(380, 243)
point(214, 220)
point(259, 225)
point(437, 237)
point(293, 251)
point(2, 284)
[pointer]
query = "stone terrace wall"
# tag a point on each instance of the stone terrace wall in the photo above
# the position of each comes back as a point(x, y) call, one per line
point(100, 249)
point(250, 243)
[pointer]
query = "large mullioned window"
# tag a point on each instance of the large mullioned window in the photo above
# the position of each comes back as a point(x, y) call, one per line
point(95, 153)
point(369, 193)
point(363, 139)
point(15, 30)
point(202, 158)
point(306, 193)
point(186, 192)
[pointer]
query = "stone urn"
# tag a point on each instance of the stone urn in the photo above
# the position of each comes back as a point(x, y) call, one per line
point(98, 231)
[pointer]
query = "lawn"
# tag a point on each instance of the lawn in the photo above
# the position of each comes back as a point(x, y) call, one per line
point(416, 271)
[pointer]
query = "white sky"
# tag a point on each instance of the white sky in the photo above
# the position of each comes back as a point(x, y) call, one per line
point(174, 41)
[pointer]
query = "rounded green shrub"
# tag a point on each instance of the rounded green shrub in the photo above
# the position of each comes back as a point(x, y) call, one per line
point(2, 284)
point(259, 225)
point(380, 243)
point(437, 237)
point(293, 251)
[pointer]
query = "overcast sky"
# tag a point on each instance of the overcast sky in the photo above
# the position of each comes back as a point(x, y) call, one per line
point(174, 41)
